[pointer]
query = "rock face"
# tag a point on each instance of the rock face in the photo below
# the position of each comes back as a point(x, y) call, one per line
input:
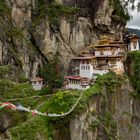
point(120, 105)
point(112, 115)
point(31, 47)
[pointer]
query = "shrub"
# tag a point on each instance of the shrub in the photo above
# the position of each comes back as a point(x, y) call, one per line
point(120, 10)
point(51, 73)
point(53, 11)
point(45, 90)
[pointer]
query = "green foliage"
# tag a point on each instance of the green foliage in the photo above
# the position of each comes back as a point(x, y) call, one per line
point(15, 117)
point(45, 90)
point(14, 32)
point(64, 99)
point(62, 102)
point(110, 81)
point(53, 11)
point(120, 10)
point(134, 60)
point(4, 70)
point(30, 130)
point(22, 78)
point(12, 73)
point(51, 74)
point(4, 9)
point(107, 120)
point(12, 90)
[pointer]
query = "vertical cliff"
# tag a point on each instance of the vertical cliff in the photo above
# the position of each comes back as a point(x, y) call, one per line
point(33, 32)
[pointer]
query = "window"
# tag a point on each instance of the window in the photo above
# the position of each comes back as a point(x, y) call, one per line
point(135, 46)
point(83, 86)
point(101, 52)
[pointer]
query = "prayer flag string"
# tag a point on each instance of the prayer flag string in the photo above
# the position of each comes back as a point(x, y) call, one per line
point(35, 112)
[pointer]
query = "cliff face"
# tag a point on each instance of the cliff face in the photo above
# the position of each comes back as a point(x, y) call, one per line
point(29, 45)
point(111, 114)
point(116, 112)
point(108, 110)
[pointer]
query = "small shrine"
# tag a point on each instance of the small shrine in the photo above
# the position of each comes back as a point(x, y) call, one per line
point(134, 43)
point(37, 83)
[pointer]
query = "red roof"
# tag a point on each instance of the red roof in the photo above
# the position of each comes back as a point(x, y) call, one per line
point(134, 36)
point(36, 79)
point(83, 80)
point(77, 78)
point(84, 58)
point(74, 77)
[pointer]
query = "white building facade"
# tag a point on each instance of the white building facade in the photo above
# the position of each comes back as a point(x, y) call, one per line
point(133, 42)
point(133, 46)
point(37, 83)
point(75, 82)
point(107, 56)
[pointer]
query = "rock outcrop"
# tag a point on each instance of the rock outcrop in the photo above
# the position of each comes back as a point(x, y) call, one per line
point(29, 47)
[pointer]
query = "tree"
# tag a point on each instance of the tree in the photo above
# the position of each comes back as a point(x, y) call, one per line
point(51, 73)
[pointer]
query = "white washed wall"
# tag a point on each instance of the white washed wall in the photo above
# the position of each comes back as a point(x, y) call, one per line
point(84, 71)
point(37, 85)
point(76, 86)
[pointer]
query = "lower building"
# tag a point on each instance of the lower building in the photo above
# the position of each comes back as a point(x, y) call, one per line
point(77, 82)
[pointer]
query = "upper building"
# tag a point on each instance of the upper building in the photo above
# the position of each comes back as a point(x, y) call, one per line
point(132, 41)
point(109, 47)
point(108, 55)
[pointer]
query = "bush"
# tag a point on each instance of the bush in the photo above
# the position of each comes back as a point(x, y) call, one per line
point(45, 90)
point(51, 73)
point(133, 61)
point(53, 11)
point(120, 10)
point(9, 89)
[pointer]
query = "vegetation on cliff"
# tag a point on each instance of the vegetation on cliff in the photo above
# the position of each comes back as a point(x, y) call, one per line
point(62, 102)
point(4, 9)
point(133, 69)
point(53, 11)
point(120, 10)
